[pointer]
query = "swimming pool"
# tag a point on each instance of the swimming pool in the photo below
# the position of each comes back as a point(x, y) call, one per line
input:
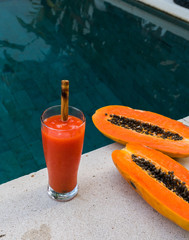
point(110, 54)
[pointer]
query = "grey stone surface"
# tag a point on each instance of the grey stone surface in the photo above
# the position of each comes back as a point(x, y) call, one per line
point(106, 207)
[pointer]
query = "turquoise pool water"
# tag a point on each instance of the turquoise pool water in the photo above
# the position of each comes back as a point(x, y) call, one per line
point(110, 54)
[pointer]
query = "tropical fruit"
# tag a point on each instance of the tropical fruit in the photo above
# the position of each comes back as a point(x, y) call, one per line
point(124, 124)
point(160, 180)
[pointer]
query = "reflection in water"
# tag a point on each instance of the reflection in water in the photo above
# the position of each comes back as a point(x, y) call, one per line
point(157, 18)
point(109, 55)
point(16, 40)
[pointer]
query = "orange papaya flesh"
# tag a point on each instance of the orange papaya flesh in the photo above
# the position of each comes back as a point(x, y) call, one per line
point(123, 124)
point(160, 180)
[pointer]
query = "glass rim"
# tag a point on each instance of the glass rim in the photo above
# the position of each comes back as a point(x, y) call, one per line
point(54, 129)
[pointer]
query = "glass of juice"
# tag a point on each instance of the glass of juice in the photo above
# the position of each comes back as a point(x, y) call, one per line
point(62, 146)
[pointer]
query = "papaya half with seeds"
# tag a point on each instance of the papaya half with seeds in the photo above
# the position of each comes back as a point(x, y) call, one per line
point(123, 124)
point(160, 180)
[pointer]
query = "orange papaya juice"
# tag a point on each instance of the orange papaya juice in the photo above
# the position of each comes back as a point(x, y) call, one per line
point(62, 145)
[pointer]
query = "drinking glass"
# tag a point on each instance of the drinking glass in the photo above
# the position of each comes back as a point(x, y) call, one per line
point(62, 146)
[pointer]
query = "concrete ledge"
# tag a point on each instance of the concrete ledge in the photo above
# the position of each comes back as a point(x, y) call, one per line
point(169, 7)
point(105, 208)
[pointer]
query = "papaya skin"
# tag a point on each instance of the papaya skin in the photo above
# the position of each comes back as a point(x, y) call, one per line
point(178, 149)
point(163, 200)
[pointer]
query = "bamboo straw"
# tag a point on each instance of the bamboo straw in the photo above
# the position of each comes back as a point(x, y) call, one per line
point(64, 99)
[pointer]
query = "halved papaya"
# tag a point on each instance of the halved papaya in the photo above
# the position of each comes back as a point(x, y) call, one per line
point(124, 124)
point(160, 180)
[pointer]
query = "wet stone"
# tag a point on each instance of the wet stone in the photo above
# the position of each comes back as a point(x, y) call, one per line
point(168, 179)
point(143, 128)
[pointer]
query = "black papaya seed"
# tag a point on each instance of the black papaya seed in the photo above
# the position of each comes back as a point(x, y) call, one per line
point(168, 179)
point(143, 128)
point(133, 185)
